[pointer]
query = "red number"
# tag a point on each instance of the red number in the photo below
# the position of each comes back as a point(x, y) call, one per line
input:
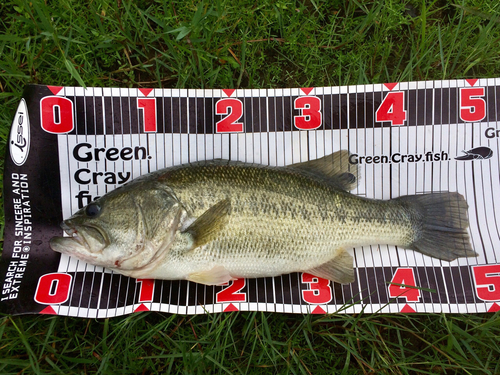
point(56, 114)
point(232, 292)
point(228, 124)
point(310, 109)
point(53, 288)
point(403, 285)
point(146, 289)
point(487, 280)
point(148, 106)
point(472, 107)
point(392, 109)
point(319, 289)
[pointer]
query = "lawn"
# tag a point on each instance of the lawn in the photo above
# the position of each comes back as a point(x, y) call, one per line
point(245, 44)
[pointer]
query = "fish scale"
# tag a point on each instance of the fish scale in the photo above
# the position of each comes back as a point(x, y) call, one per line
point(291, 228)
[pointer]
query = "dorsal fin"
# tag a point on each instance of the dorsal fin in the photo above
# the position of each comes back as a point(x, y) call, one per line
point(335, 167)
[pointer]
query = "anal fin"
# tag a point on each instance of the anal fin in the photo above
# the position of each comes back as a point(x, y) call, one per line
point(215, 276)
point(340, 269)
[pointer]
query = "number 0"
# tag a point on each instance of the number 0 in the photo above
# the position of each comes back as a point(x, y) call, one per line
point(53, 288)
point(56, 114)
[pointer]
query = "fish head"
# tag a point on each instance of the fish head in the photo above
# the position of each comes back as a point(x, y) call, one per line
point(126, 229)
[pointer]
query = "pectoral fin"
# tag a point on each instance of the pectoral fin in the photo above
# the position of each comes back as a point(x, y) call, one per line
point(340, 269)
point(208, 226)
point(215, 276)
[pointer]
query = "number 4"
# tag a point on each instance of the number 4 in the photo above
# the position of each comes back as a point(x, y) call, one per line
point(392, 109)
point(403, 285)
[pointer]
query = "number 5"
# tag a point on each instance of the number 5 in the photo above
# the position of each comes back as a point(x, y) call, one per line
point(487, 280)
point(472, 107)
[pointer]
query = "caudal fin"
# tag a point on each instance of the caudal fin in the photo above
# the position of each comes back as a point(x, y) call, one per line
point(441, 225)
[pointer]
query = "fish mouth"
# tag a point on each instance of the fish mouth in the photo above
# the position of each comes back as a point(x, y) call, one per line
point(84, 241)
point(74, 234)
point(88, 236)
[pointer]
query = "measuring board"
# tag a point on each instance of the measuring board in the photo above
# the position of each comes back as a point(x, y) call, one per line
point(69, 145)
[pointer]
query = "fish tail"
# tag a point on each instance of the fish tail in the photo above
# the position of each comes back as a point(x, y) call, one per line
point(440, 225)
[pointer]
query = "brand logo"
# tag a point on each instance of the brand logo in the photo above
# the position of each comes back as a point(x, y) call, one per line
point(19, 142)
point(478, 153)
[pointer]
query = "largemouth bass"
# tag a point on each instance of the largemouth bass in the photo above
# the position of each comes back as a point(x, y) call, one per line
point(215, 221)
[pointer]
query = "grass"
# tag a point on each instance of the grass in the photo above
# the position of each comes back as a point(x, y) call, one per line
point(246, 44)
point(253, 343)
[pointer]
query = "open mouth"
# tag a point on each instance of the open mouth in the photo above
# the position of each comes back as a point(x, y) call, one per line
point(88, 237)
point(73, 233)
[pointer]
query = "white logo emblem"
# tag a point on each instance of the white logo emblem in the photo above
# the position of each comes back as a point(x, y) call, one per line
point(19, 142)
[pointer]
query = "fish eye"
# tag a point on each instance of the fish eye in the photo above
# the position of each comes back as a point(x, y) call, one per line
point(92, 210)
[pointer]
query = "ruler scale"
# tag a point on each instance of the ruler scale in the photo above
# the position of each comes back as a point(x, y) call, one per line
point(69, 145)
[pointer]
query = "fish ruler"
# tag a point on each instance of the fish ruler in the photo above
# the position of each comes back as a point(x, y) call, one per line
point(69, 145)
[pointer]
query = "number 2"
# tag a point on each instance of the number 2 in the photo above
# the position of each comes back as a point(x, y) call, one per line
point(233, 108)
point(233, 292)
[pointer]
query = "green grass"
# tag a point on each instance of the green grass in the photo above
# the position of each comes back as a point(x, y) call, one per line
point(253, 343)
point(246, 44)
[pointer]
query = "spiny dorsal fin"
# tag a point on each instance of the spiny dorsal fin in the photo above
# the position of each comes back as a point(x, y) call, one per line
point(340, 269)
point(335, 167)
point(208, 226)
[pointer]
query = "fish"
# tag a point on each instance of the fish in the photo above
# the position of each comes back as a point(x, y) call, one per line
point(214, 221)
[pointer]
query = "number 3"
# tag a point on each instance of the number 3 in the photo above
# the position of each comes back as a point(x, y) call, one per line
point(319, 289)
point(310, 108)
